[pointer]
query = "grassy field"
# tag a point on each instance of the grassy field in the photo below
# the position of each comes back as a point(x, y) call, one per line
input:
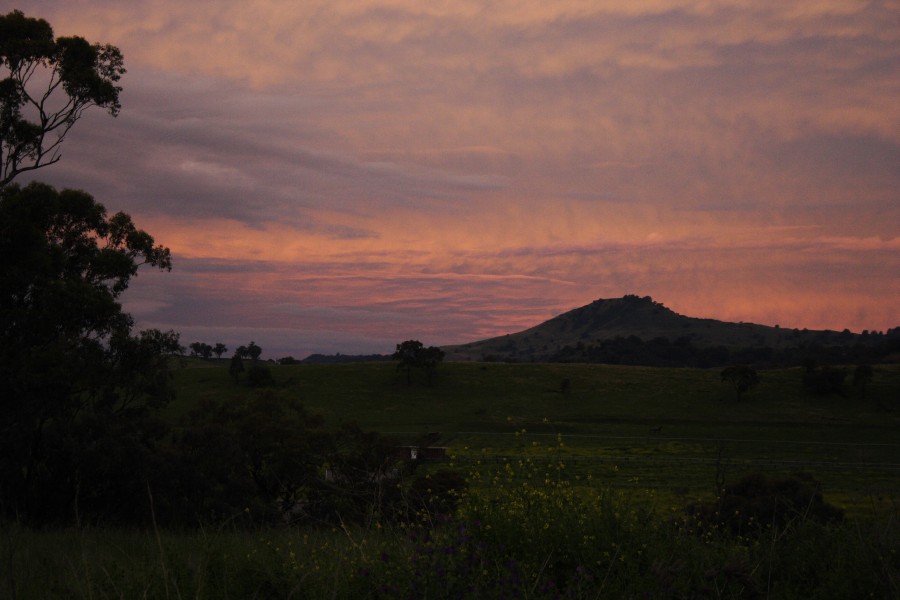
point(671, 430)
point(574, 493)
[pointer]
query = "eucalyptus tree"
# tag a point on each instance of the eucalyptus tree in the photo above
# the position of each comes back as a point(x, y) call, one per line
point(71, 367)
point(741, 378)
point(46, 85)
point(80, 390)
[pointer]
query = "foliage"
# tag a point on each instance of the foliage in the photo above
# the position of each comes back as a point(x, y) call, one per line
point(251, 351)
point(430, 358)
point(757, 503)
point(270, 460)
point(258, 375)
point(259, 453)
point(741, 378)
point(75, 377)
point(236, 367)
point(205, 351)
point(532, 534)
point(47, 85)
point(201, 349)
point(685, 352)
point(408, 354)
point(412, 354)
point(365, 483)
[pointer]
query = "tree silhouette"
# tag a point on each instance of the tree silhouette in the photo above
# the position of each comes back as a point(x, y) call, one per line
point(201, 349)
point(70, 365)
point(408, 353)
point(80, 432)
point(413, 354)
point(431, 357)
point(48, 85)
point(236, 367)
point(741, 377)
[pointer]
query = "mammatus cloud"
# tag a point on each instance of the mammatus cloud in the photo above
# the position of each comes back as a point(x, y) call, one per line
point(465, 170)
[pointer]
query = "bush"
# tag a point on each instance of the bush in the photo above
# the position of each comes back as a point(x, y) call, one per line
point(259, 376)
point(757, 502)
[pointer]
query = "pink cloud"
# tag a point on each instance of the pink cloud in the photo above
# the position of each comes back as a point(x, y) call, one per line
point(327, 166)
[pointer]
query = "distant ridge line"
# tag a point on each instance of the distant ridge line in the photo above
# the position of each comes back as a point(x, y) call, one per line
point(640, 331)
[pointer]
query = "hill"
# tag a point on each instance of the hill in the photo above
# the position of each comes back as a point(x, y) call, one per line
point(638, 330)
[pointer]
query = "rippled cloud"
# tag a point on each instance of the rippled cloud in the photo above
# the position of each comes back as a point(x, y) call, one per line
point(335, 170)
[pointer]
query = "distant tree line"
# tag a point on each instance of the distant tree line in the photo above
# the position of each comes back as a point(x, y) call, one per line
point(204, 350)
point(662, 352)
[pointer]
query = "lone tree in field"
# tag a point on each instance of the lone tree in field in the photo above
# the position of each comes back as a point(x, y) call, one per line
point(253, 351)
point(431, 357)
point(413, 354)
point(46, 84)
point(741, 377)
point(219, 349)
point(408, 353)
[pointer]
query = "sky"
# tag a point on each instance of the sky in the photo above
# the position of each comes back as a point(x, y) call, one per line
point(340, 176)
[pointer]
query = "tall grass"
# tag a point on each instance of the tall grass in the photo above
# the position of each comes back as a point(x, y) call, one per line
point(598, 517)
point(525, 530)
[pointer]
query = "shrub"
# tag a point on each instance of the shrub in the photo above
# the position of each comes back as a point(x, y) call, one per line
point(756, 502)
point(259, 376)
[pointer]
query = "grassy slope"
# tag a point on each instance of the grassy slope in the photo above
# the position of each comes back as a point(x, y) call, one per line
point(606, 417)
point(600, 400)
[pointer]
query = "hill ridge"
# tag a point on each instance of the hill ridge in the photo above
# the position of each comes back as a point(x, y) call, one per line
point(638, 319)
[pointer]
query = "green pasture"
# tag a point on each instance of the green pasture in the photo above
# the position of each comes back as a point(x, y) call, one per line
point(672, 430)
point(574, 492)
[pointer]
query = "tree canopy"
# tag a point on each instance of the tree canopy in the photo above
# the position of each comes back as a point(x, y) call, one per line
point(413, 354)
point(741, 378)
point(70, 365)
point(46, 84)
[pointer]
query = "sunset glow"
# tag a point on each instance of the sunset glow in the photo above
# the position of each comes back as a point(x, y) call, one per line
point(341, 176)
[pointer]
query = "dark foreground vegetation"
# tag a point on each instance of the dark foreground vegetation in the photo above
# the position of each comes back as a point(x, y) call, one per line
point(627, 482)
point(527, 535)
